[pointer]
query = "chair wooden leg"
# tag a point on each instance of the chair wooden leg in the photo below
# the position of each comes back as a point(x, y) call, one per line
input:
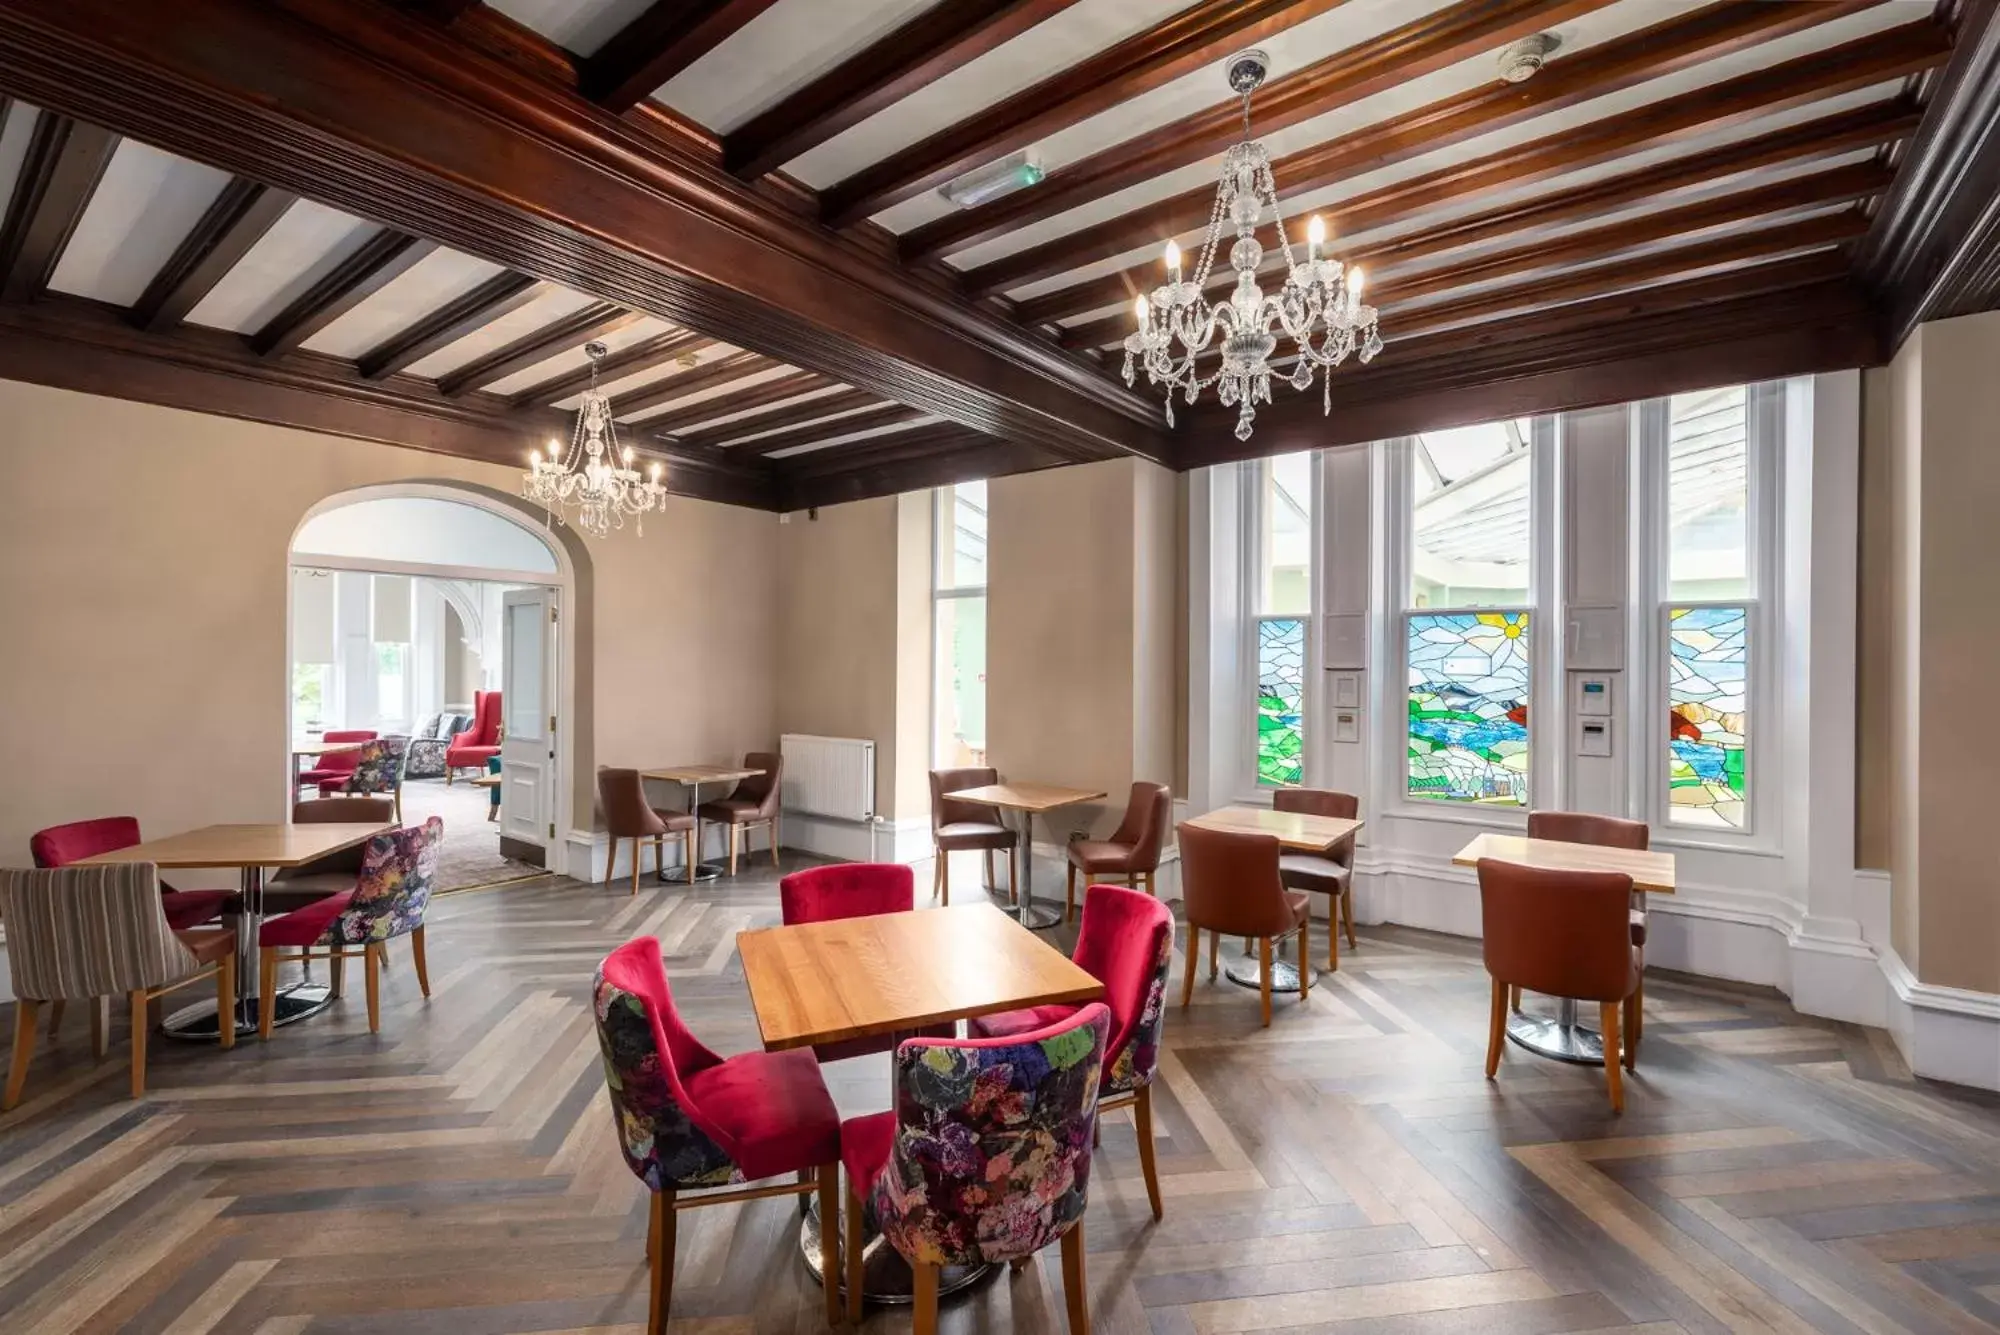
point(1496, 1028)
point(772, 829)
point(225, 1001)
point(988, 856)
point(100, 1027)
point(660, 856)
point(1635, 1024)
point(829, 1237)
point(267, 987)
point(636, 843)
point(734, 829)
point(25, 1014)
point(1332, 934)
point(660, 1261)
point(1264, 976)
point(1193, 959)
point(56, 1010)
point(611, 860)
point(1142, 1121)
point(1347, 914)
point(371, 972)
point(690, 853)
point(944, 878)
point(857, 1243)
point(1305, 957)
point(1630, 1022)
point(1213, 937)
point(138, 998)
point(924, 1299)
point(1614, 1084)
point(1075, 1296)
point(1069, 896)
point(1513, 997)
point(337, 966)
point(417, 958)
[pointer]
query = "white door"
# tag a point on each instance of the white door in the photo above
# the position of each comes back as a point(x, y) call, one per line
point(528, 687)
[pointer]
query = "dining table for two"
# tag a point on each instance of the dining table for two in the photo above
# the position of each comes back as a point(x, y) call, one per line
point(1027, 800)
point(692, 777)
point(1296, 832)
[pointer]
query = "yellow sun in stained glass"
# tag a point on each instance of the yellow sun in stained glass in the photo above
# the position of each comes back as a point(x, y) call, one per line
point(1510, 626)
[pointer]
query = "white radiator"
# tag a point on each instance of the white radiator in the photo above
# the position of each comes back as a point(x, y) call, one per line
point(829, 776)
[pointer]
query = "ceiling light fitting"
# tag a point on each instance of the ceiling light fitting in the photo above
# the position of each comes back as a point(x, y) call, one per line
point(1522, 60)
point(985, 184)
point(593, 475)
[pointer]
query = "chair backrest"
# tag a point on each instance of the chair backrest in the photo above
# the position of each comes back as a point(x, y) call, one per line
point(1144, 827)
point(991, 1158)
point(1559, 933)
point(486, 720)
point(627, 813)
point(1322, 802)
point(1577, 827)
point(340, 811)
point(342, 761)
point(649, 1055)
point(60, 845)
point(79, 932)
point(847, 890)
point(398, 873)
point(766, 787)
point(945, 811)
point(1127, 943)
point(378, 767)
point(1230, 882)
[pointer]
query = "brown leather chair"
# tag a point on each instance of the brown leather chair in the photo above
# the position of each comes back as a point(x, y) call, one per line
point(335, 872)
point(1132, 851)
point(1230, 887)
point(755, 802)
point(958, 827)
point(628, 815)
point(1330, 874)
point(1578, 827)
point(1564, 934)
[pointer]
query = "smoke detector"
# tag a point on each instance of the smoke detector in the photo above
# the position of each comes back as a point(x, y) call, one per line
point(1520, 61)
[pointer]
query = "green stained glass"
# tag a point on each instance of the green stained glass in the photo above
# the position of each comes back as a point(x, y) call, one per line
point(1281, 675)
point(1468, 729)
point(1708, 715)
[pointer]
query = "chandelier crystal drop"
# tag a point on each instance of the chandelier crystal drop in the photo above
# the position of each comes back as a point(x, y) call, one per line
point(594, 475)
point(1318, 308)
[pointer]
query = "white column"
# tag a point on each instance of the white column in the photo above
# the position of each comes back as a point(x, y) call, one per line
point(1590, 616)
point(1345, 578)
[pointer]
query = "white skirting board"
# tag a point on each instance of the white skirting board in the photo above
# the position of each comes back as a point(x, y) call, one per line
point(878, 840)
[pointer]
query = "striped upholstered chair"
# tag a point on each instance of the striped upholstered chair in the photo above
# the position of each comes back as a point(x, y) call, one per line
point(76, 933)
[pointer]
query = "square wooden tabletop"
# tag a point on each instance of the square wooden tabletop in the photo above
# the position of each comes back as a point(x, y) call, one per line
point(699, 773)
point(1297, 831)
point(1026, 796)
point(325, 748)
point(283, 845)
point(1650, 871)
point(823, 982)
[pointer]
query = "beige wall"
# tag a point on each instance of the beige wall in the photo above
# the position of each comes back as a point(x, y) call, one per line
point(142, 590)
point(1931, 648)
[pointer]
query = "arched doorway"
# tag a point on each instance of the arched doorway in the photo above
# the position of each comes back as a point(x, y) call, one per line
point(407, 602)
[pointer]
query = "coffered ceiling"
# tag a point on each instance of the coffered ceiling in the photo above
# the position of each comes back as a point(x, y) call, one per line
point(403, 221)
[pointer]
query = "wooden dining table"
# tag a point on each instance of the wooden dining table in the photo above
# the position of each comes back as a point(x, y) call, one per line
point(895, 974)
point(692, 777)
point(1296, 832)
point(1564, 1036)
point(250, 849)
point(1028, 800)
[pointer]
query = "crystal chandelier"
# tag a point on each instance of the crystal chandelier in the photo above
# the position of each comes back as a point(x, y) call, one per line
point(594, 475)
point(1319, 306)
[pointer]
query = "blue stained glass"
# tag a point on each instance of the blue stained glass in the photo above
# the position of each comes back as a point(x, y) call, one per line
point(1281, 675)
point(1468, 729)
point(1708, 714)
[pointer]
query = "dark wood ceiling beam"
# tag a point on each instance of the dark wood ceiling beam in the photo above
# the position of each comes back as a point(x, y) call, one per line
point(1883, 123)
point(497, 296)
point(1417, 48)
point(781, 389)
point(666, 38)
point(812, 410)
point(918, 466)
point(65, 160)
point(384, 258)
point(571, 332)
point(874, 419)
point(1198, 35)
point(236, 221)
point(916, 443)
point(922, 51)
point(1878, 58)
point(722, 371)
point(655, 351)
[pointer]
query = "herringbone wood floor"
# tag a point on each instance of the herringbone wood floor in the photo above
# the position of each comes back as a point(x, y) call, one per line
point(1348, 1169)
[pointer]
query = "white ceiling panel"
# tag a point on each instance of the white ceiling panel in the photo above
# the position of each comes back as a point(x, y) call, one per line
point(550, 305)
point(432, 282)
point(572, 359)
point(144, 207)
point(638, 380)
point(15, 131)
point(1048, 48)
point(853, 436)
point(580, 25)
point(305, 245)
point(777, 53)
point(722, 392)
point(828, 420)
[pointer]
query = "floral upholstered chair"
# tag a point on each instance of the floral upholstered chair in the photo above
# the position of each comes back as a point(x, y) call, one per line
point(986, 1157)
point(689, 1119)
point(1127, 943)
point(398, 873)
point(378, 769)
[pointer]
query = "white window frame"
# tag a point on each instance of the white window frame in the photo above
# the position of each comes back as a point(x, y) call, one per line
point(940, 511)
point(1249, 784)
point(1764, 410)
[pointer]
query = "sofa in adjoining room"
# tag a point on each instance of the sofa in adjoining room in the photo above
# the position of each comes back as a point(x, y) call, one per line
point(433, 739)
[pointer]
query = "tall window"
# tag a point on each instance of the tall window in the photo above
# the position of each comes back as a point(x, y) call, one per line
point(958, 626)
point(1709, 607)
point(1283, 614)
point(1466, 617)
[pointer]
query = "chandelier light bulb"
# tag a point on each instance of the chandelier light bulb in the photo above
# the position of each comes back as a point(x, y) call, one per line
point(1355, 278)
point(656, 472)
point(1315, 236)
point(628, 454)
point(1174, 260)
point(1145, 309)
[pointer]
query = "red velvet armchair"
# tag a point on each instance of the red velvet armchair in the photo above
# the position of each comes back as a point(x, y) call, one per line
point(336, 765)
point(479, 743)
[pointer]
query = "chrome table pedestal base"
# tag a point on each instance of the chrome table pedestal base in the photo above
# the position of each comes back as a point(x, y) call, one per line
point(1247, 971)
point(196, 1024)
point(1560, 1036)
point(885, 1275)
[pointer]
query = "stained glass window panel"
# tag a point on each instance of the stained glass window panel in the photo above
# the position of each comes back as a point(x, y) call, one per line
point(1281, 678)
point(1708, 675)
point(1468, 730)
